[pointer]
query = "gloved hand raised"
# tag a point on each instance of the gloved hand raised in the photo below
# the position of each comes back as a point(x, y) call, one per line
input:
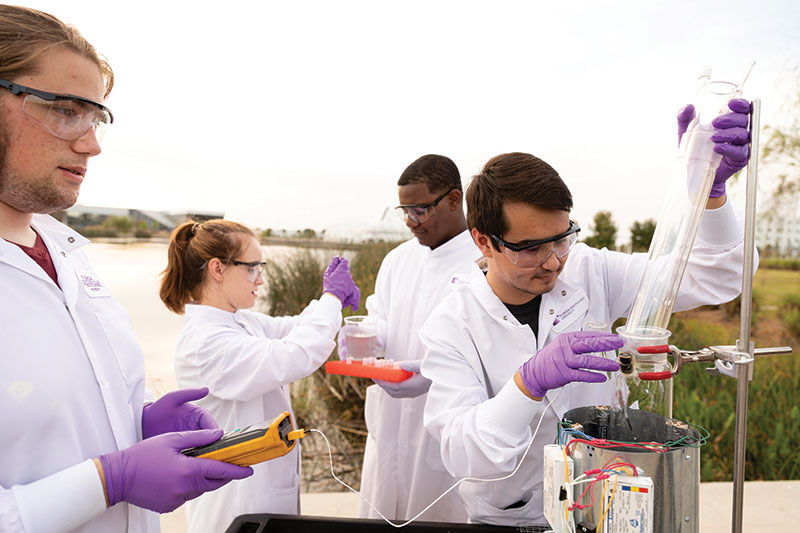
point(172, 412)
point(414, 386)
point(155, 475)
point(731, 140)
point(563, 360)
point(338, 281)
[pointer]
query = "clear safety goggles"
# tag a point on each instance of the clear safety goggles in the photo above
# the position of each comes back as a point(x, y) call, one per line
point(254, 268)
point(536, 253)
point(66, 116)
point(419, 213)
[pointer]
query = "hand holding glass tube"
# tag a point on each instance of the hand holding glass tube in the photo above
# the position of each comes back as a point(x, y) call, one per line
point(731, 140)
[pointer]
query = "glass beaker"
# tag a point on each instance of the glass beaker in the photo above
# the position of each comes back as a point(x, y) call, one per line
point(361, 337)
point(654, 393)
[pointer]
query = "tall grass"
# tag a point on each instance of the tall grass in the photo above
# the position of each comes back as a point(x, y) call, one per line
point(773, 422)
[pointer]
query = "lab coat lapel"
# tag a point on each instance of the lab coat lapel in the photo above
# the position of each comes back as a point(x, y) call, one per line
point(12, 255)
point(563, 309)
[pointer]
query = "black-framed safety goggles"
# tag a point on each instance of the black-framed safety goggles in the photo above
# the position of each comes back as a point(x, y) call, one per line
point(534, 253)
point(419, 213)
point(254, 268)
point(66, 116)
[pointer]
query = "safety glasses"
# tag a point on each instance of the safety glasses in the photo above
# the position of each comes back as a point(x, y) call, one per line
point(419, 213)
point(254, 268)
point(536, 253)
point(66, 116)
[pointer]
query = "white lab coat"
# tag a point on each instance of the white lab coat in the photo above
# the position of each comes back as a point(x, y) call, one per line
point(474, 346)
point(72, 388)
point(402, 471)
point(247, 360)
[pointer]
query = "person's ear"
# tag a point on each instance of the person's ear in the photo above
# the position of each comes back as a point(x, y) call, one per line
point(216, 268)
point(454, 199)
point(483, 242)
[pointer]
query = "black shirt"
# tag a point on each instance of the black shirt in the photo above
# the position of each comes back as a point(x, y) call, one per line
point(527, 313)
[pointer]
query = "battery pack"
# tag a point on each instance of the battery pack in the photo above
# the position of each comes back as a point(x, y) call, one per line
point(556, 472)
point(630, 509)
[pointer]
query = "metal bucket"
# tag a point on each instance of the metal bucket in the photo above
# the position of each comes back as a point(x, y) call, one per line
point(675, 472)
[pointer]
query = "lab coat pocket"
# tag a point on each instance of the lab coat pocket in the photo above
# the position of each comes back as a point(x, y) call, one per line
point(486, 513)
point(118, 331)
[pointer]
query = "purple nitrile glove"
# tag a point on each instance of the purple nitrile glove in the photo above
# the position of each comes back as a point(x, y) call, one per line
point(155, 475)
point(562, 361)
point(338, 281)
point(731, 140)
point(172, 412)
point(414, 386)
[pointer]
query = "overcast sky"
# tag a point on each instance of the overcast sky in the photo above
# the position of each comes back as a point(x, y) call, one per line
point(304, 114)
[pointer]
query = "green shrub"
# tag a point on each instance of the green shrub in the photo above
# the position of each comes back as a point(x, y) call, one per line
point(779, 263)
point(294, 282)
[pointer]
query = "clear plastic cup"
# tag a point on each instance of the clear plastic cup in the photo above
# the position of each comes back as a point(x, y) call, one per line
point(361, 337)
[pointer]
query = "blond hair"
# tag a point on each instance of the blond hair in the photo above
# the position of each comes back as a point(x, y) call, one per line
point(26, 34)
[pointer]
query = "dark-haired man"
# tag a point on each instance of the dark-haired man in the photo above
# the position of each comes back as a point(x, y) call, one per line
point(510, 335)
point(402, 471)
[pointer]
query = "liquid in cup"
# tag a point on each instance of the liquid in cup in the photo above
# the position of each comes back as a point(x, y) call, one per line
point(361, 337)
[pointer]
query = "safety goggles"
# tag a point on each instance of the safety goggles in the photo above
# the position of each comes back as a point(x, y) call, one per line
point(419, 213)
point(536, 253)
point(254, 268)
point(66, 116)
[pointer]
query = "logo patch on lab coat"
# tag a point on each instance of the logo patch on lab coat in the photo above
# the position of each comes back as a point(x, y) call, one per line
point(92, 285)
point(576, 306)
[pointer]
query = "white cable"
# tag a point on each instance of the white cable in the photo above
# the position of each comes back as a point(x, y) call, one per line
point(457, 483)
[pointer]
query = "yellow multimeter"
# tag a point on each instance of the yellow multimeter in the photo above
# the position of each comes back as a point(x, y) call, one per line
point(253, 444)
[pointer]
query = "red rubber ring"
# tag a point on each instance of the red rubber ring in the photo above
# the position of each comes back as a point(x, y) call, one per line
point(661, 348)
point(655, 376)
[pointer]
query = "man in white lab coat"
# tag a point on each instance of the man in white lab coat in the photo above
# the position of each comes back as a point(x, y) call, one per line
point(508, 338)
point(402, 471)
point(80, 451)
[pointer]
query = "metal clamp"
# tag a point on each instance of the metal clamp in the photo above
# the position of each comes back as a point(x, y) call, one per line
point(725, 358)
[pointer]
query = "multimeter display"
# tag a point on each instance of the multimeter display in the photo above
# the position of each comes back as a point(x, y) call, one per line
point(251, 445)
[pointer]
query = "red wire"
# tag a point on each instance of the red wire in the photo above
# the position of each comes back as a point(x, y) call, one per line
point(603, 443)
point(589, 486)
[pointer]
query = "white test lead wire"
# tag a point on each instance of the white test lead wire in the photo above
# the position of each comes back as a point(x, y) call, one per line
point(445, 493)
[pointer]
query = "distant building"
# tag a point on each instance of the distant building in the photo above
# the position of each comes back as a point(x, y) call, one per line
point(79, 217)
point(779, 234)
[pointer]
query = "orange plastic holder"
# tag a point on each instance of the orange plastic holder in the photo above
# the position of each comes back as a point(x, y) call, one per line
point(360, 370)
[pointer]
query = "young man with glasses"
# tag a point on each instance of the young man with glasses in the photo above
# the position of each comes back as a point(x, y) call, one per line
point(81, 450)
point(511, 332)
point(402, 471)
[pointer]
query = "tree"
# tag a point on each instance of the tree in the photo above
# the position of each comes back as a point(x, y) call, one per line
point(307, 233)
point(781, 151)
point(642, 235)
point(118, 224)
point(604, 232)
